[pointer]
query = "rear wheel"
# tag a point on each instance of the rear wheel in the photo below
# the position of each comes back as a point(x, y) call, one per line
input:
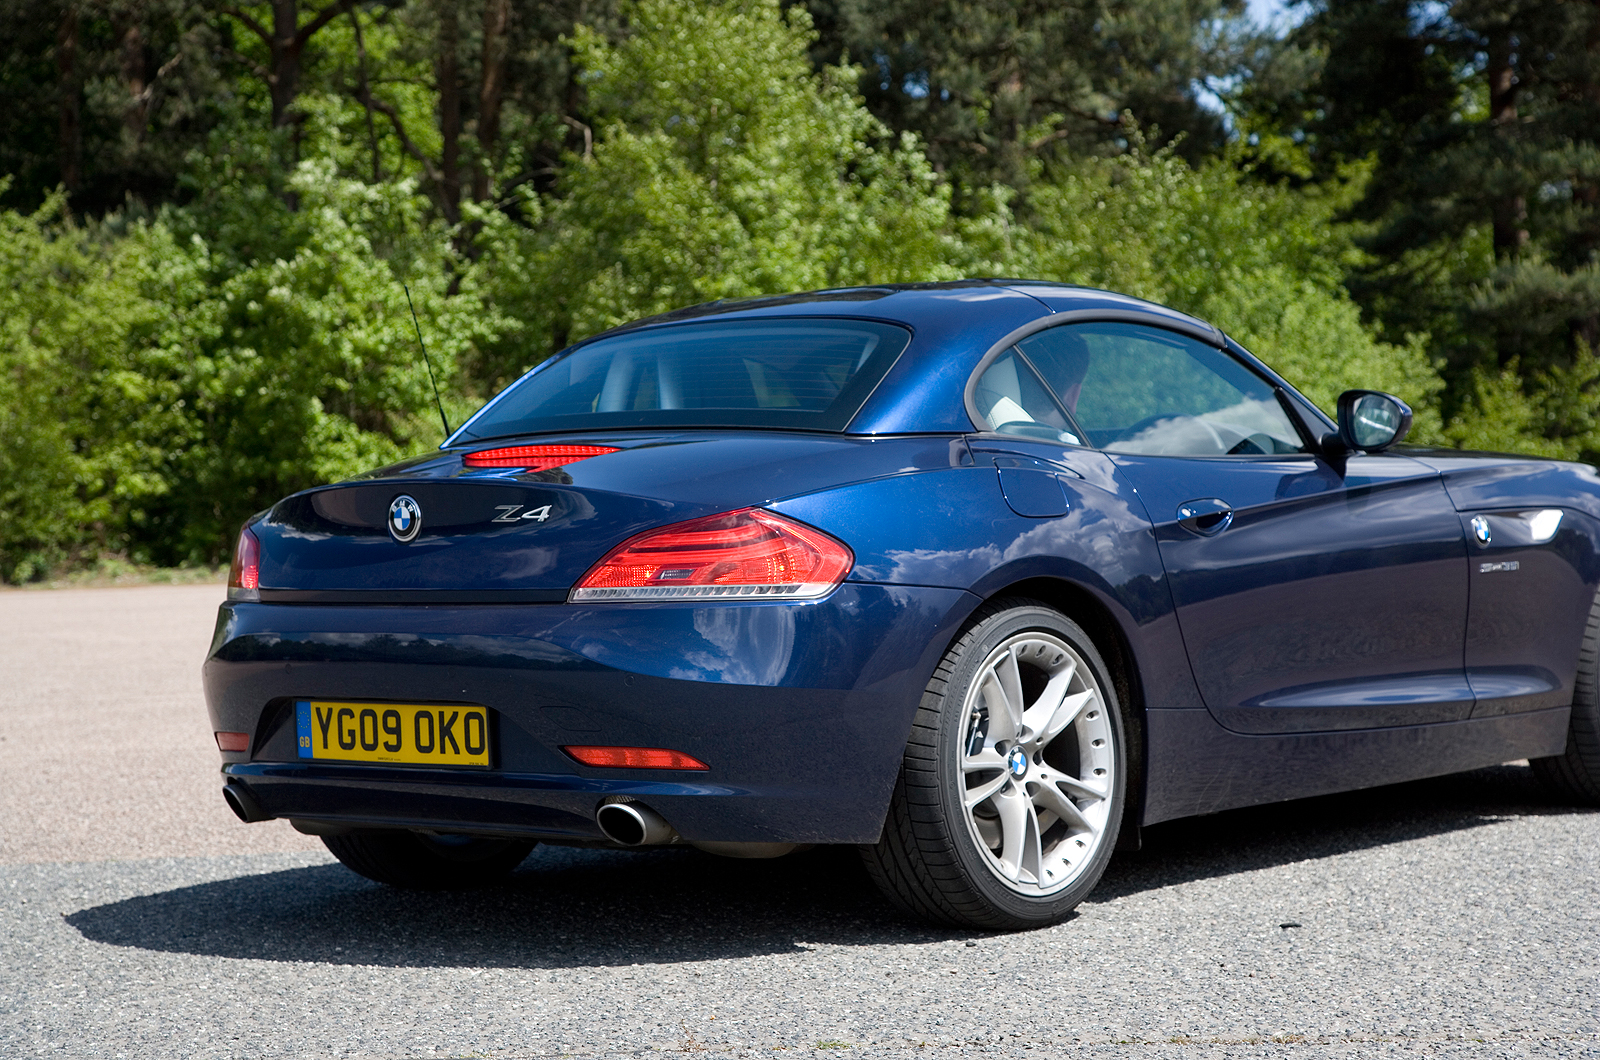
point(1575, 774)
point(417, 861)
point(1010, 794)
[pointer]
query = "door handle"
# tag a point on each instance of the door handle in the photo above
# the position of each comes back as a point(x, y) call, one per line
point(1207, 516)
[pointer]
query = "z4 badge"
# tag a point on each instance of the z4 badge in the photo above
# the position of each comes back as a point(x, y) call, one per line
point(508, 513)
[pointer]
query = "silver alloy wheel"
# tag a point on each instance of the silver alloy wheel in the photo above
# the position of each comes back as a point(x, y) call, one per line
point(1038, 763)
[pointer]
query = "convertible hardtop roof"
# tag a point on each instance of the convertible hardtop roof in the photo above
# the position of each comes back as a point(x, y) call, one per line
point(954, 324)
point(906, 303)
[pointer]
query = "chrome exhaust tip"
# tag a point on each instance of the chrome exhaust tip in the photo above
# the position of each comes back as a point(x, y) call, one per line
point(633, 824)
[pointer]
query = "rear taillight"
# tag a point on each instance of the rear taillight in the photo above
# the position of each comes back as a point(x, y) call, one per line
point(534, 457)
point(749, 553)
point(244, 577)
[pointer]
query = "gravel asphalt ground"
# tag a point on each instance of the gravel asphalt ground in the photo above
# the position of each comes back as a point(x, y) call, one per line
point(1453, 917)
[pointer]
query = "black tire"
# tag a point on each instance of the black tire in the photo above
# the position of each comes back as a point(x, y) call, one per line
point(1575, 774)
point(939, 860)
point(414, 861)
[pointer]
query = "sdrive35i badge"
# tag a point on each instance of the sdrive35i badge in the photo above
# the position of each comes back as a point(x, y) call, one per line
point(405, 518)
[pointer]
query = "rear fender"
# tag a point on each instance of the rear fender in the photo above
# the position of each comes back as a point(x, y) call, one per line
point(953, 528)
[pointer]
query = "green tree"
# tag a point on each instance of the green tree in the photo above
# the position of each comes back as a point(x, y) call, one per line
point(1483, 215)
point(302, 367)
point(992, 86)
point(1263, 262)
point(82, 319)
point(105, 98)
point(724, 168)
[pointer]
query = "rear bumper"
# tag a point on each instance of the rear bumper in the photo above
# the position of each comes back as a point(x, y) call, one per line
point(801, 710)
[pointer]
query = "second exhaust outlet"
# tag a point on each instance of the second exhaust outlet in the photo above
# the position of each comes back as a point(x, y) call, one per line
point(634, 824)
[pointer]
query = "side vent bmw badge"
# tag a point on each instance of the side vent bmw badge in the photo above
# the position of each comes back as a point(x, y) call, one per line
point(405, 518)
point(1480, 529)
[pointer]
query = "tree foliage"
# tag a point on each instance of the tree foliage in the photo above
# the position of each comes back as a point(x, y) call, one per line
point(160, 392)
point(207, 212)
point(995, 86)
point(1482, 220)
point(1262, 262)
point(76, 307)
point(723, 167)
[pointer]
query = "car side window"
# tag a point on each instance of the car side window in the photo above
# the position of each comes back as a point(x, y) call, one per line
point(1012, 398)
point(1135, 389)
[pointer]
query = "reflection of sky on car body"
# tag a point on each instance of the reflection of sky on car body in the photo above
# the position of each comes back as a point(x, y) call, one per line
point(756, 644)
point(1084, 534)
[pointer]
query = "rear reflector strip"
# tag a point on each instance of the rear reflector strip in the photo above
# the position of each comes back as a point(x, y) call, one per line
point(534, 457)
point(634, 758)
point(233, 741)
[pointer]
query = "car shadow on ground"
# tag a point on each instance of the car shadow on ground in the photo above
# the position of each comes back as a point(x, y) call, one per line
point(568, 907)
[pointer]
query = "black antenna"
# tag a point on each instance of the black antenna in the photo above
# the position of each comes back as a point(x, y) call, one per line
point(427, 361)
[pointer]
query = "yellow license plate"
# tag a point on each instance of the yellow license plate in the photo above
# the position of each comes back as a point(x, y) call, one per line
point(395, 733)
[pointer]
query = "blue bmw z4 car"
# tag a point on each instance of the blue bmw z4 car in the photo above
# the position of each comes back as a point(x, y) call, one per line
point(980, 577)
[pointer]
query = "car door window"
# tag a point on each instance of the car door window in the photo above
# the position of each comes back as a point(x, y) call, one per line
point(1135, 389)
point(1013, 400)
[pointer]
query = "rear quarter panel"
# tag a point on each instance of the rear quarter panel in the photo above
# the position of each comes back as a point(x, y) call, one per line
point(953, 528)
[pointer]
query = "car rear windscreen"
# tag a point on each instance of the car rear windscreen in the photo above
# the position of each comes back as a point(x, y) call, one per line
point(810, 374)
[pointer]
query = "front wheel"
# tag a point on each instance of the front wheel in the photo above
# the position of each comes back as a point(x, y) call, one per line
point(1010, 794)
point(426, 862)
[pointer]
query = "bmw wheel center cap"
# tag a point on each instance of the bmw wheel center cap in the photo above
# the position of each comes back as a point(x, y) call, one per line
point(405, 518)
point(1017, 762)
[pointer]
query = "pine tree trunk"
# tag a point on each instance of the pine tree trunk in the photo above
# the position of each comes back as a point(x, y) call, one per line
point(284, 75)
point(449, 75)
point(135, 113)
point(69, 130)
point(1510, 211)
point(491, 92)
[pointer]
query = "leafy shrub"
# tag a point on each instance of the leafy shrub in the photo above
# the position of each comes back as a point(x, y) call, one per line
point(156, 391)
point(78, 403)
point(304, 369)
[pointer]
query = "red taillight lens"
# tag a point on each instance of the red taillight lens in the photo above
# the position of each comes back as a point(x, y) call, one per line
point(244, 577)
point(634, 758)
point(534, 457)
point(233, 741)
point(745, 553)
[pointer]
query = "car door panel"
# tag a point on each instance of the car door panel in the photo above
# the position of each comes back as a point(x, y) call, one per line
point(1328, 602)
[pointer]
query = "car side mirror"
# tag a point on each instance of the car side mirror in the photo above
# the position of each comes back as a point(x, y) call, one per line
point(1370, 421)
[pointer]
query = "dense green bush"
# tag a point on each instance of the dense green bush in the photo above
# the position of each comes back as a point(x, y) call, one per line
point(81, 323)
point(156, 390)
point(304, 368)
